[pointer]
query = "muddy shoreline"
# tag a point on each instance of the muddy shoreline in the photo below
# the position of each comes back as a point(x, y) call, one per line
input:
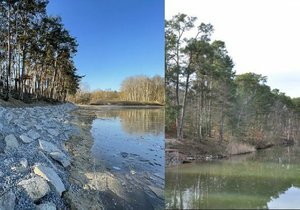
point(93, 185)
point(84, 193)
point(178, 153)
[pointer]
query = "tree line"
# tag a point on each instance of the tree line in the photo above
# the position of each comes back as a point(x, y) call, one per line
point(141, 89)
point(206, 99)
point(36, 52)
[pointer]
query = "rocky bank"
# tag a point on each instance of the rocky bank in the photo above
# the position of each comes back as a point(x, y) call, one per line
point(33, 160)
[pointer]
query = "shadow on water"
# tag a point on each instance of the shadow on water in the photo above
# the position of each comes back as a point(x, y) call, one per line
point(266, 179)
point(118, 159)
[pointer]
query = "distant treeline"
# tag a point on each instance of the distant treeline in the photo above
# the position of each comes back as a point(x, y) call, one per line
point(134, 91)
point(206, 99)
point(36, 52)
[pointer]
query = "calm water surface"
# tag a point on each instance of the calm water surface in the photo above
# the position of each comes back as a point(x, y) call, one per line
point(129, 142)
point(265, 179)
point(130, 139)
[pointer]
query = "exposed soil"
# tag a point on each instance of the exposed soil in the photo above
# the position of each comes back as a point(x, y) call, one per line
point(180, 152)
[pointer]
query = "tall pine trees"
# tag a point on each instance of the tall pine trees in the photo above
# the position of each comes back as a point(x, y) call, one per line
point(36, 52)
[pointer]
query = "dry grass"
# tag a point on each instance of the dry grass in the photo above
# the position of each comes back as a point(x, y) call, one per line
point(235, 148)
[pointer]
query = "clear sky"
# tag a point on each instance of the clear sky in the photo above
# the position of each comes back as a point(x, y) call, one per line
point(117, 38)
point(262, 36)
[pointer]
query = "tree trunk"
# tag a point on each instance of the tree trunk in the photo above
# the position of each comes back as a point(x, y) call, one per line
point(6, 97)
point(53, 80)
point(222, 122)
point(183, 107)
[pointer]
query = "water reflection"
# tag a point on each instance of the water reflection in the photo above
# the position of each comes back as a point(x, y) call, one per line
point(137, 120)
point(130, 139)
point(247, 182)
point(129, 143)
point(287, 200)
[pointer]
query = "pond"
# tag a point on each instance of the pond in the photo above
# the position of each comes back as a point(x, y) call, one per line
point(267, 179)
point(130, 142)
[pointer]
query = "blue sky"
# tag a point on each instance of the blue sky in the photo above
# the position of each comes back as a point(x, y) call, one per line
point(117, 38)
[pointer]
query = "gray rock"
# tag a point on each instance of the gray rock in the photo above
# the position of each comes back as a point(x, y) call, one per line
point(23, 127)
point(61, 158)
point(8, 161)
point(7, 201)
point(25, 139)
point(116, 168)
point(36, 187)
point(46, 206)
point(11, 141)
point(51, 176)
point(9, 117)
point(48, 146)
point(124, 154)
point(47, 160)
point(53, 132)
point(157, 191)
point(38, 127)
point(24, 162)
point(48, 124)
point(33, 134)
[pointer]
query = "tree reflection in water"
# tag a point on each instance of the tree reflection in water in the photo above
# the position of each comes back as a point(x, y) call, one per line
point(137, 120)
point(260, 181)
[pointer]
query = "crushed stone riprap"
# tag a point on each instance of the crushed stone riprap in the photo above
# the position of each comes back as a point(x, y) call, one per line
point(33, 160)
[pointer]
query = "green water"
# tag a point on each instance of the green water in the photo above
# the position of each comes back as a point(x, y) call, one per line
point(265, 179)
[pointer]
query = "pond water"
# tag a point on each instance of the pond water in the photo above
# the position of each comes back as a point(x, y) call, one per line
point(267, 179)
point(130, 142)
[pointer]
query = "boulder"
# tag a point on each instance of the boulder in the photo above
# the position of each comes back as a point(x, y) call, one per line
point(51, 176)
point(33, 134)
point(61, 158)
point(48, 146)
point(8, 117)
point(11, 141)
point(7, 201)
point(38, 127)
point(157, 191)
point(46, 206)
point(47, 160)
point(53, 132)
point(24, 162)
point(25, 139)
point(36, 187)
point(23, 127)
